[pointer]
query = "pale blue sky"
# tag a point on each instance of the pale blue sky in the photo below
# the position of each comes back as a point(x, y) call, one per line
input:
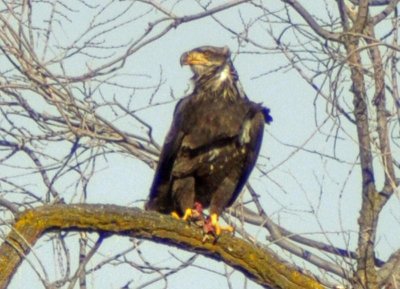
point(294, 186)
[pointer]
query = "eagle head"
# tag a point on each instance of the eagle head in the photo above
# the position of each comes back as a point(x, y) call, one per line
point(210, 62)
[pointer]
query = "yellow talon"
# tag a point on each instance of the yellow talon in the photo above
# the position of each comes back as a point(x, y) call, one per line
point(214, 219)
point(218, 227)
point(187, 215)
point(215, 224)
point(228, 228)
point(175, 215)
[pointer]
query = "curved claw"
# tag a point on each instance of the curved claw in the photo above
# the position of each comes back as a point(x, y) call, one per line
point(188, 214)
point(194, 214)
point(212, 226)
point(175, 215)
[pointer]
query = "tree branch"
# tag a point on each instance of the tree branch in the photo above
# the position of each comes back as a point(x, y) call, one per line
point(379, 101)
point(388, 10)
point(362, 17)
point(313, 24)
point(258, 264)
point(372, 2)
point(390, 269)
point(280, 236)
point(343, 15)
point(365, 275)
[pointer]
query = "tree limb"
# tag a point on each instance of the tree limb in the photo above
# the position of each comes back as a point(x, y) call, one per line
point(388, 10)
point(390, 269)
point(362, 17)
point(258, 264)
point(379, 101)
point(280, 236)
point(365, 276)
point(372, 2)
point(313, 24)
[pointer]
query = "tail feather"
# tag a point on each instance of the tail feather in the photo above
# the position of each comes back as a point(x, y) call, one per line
point(159, 200)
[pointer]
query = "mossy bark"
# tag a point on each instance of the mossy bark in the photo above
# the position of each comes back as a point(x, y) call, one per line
point(257, 263)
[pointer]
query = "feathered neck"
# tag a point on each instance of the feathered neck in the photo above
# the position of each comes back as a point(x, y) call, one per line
point(218, 82)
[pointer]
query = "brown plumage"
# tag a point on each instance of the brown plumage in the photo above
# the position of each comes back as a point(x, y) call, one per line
point(213, 142)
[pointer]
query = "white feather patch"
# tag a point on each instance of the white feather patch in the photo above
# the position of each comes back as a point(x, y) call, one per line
point(224, 74)
point(245, 133)
point(213, 154)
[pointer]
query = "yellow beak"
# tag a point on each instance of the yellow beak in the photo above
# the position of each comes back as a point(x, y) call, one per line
point(193, 58)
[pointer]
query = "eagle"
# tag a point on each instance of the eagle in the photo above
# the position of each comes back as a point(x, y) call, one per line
point(212, 145)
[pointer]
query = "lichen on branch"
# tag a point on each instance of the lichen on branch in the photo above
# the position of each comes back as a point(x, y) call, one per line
point(257, 263)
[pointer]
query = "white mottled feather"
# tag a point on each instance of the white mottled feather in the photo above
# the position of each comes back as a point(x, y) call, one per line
point(245, 133)
point(224, 74)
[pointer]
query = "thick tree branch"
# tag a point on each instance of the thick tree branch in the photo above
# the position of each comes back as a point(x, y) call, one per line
point(362, 16)
point(381, 117)
point(280, 237)
point(263, 220)
point(343, 15)
point(387, 11)
point(372, 2)
point(391, 268)
point(258, 264)
point(365, 276)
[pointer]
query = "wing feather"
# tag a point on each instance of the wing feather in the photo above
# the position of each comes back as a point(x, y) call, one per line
point(159, 198)
point(254, 126)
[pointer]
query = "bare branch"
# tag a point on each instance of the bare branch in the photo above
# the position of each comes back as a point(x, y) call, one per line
point(389, 9)
point(279, 235)
point(361, 18)
point(311, 21)
point(372, 2)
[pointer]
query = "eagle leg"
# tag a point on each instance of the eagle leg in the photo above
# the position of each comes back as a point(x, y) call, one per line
point(220, 199)
point(212, 226)
point(194, 214)
point(183, 193)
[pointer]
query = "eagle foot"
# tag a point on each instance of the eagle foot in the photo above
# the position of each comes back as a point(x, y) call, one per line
point(175, 215)
point(212, 227)
point(192, 215)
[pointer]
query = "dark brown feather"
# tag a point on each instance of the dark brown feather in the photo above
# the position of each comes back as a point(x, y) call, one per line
point(212, 145)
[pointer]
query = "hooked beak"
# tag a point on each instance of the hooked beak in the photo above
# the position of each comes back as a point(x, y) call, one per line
point(194, 58)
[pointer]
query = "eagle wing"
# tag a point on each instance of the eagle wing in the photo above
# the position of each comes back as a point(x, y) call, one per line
point(159, 198)
point(250, 138)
